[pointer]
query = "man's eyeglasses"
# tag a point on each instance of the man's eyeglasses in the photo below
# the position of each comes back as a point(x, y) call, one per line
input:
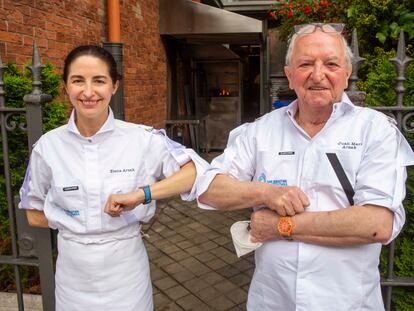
point(311, 28)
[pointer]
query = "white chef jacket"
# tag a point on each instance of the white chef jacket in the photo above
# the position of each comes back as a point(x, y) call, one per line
point(70, 177)
point(274, 149)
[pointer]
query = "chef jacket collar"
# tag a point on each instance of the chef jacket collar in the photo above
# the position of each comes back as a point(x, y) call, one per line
point(108, 126)
point(339, 108)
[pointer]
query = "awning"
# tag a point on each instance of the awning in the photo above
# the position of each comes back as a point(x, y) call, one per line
point(200, 23)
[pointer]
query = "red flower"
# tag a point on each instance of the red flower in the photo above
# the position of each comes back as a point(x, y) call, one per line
point(272, 14)
point(307, 10)
point(289, 14)
point(324, 3)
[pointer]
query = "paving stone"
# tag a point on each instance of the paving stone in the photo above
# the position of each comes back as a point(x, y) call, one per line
point(196, 284)
point(157, 273)
point(185, 244)
point(216, 264)
point(170, 248)
point(243, 265)
point(194, 250)
point(205, 257)
point(183, 276)
point(164, 218)
point(170, 307)
point(189, 234)
point(228, 271)
point(240, 279)
point(225, 286)
point(220, 251)
point(155, 253)
point(198, 239)
point(165, 283)
point(221, 303)
point(195, 266)
point(230, 258)
point(160, 300)
point(249, 272)
point(221, 240)
point(176, 292)
point(212, 235)
point(208, 245)
point(230, 247)
point(153, 236)
point(161, 243)
point(165, 233)
point(176, 238)
point(208, 294)
point(180, 255)
point(212, 278)
point(173, 268)
point(163, 261)
point(237, 295)
point(191, 302)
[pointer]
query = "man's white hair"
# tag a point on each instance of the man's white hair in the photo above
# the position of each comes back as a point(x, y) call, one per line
point(347, 50)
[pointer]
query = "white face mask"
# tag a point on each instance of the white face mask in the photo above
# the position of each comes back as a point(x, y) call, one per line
point(241, 238)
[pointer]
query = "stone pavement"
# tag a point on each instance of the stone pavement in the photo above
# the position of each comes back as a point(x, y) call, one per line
point(192, 258)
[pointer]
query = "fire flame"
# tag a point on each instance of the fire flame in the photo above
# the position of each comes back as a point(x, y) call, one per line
point(224, 92)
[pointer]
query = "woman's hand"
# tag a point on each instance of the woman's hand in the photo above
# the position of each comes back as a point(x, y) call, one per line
point(117, 203)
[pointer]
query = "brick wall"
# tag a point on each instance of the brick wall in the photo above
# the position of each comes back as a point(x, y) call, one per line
point(60, 25)
point(144, 63)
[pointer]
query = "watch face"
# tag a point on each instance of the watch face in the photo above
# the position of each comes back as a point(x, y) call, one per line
point(284, 226)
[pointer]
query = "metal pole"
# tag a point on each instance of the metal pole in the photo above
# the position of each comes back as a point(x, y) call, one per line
point(34, 131)
point(117, 101)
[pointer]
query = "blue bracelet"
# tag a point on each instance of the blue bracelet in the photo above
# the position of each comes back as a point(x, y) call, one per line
point(147, 193)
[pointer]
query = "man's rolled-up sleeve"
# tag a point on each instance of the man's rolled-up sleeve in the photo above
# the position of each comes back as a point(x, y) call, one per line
point(237, 160)
point(382, 174)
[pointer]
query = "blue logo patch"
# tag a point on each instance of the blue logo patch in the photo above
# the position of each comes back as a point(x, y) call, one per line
point(71, 213)
point(279, 182)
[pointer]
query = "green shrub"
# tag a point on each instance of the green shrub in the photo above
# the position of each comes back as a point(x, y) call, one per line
point(378, 78)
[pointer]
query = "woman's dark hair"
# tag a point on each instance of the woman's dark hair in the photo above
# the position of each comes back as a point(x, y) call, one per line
point(95, 51)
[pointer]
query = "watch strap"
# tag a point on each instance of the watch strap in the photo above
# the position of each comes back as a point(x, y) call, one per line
point(147, 193)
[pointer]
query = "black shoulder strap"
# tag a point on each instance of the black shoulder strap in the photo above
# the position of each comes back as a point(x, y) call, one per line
point(343, 179)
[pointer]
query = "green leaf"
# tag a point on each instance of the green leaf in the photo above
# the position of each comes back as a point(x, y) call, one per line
point(381, 37)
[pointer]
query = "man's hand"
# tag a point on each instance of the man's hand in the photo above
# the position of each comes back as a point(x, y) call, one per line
point(264, 226)
point(285, 200)
point(117, 203)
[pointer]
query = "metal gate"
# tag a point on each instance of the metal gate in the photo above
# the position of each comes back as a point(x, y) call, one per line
point(30, 246)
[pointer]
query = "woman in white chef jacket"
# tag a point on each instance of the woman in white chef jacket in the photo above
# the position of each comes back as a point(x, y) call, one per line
point(77, 182)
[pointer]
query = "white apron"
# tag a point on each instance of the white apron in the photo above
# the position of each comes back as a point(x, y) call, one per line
point(103, 273)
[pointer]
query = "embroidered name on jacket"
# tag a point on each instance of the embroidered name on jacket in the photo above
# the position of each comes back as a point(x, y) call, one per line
point(121, 170)
point(279, 182)
point(349, 144)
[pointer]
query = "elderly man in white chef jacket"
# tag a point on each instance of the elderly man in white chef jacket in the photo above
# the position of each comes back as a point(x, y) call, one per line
point(327, 180)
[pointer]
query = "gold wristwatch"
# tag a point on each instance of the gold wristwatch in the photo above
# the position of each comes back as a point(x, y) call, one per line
point(285, 227)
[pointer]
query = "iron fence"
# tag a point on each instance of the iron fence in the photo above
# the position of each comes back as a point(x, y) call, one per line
point(403, 115)
point(29, 246)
